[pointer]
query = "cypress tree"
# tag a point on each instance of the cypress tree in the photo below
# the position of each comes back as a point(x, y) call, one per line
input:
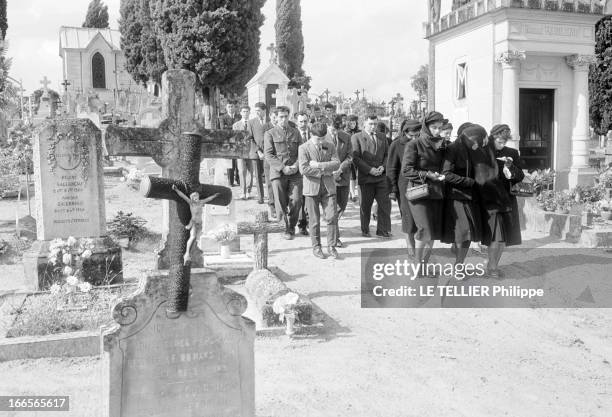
point(290, 41)
point(600, 78)
point(97, 15)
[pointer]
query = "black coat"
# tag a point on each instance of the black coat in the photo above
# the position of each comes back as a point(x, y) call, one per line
point(421, 156)
point(397, 181)
point(458, 169)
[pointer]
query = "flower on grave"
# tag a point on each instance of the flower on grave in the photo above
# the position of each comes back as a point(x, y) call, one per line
point(72, 280)
point(285, 305)
point(71, 241)
point(67, 258)
point(86, 254)
point(85, 287)
point(225, 233)
point(67, 270)
point(55, 289)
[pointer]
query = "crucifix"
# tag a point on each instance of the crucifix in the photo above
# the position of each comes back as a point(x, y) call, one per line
point(273, 54)
point(326, 92)
point(357, 94)
point(163, 145)
point(45, 82)
point(66, 83)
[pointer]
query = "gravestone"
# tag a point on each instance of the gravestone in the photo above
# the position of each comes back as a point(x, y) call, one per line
point(199, 364)
point(69, 184)
point(216, 216)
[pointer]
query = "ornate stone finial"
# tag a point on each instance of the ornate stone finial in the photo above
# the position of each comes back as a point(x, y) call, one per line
point(273, 53)
point(580, 62)
point(510, 57)
point(45, 82)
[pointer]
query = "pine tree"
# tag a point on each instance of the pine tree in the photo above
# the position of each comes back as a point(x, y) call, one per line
point(3, 21)
point(97, 15)
point(290, 41)
point(218, 40)
point(139, 43)
point(600, 78)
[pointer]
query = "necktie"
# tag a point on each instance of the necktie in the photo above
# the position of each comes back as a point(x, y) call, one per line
point(305, 134)
point(375, 144)
point(335, 138)
point(245, 126)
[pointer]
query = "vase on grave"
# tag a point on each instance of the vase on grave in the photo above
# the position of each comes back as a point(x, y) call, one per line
point(225, 250)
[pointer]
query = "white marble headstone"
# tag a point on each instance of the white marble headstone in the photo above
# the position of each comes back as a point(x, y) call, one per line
point(69, 180)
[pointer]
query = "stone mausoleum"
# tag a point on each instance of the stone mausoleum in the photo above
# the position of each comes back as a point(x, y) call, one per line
point(520, 62)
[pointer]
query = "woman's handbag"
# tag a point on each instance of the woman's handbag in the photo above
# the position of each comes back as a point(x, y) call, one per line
point(522, 189)
point(417, 192)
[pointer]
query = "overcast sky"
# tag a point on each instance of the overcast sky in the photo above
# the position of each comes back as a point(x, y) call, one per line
point(348, 44)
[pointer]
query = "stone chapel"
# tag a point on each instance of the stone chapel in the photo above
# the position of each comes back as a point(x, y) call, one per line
point(523, 63)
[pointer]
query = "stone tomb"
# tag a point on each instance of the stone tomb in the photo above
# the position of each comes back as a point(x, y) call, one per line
point(69, 185)
point(199, 364)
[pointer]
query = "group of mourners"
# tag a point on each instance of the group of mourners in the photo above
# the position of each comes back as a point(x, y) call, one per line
point(456, 192)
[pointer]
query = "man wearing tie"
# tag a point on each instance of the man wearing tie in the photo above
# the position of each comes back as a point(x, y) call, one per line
point(257, 128)
point(281, 151)
point(246, 168)
point(304, 128)
point(227, 122)
point(318, 161)
point(342, 176)
point(370, 151)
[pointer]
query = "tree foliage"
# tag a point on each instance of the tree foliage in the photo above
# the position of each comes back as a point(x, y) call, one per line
point(3, 20)
point(8, 91)
point(97, 15)
point(459, 3)
point(290, 42)
point(218, 40)
point(53, 98)
point(419, 81)
point(600, 78)
point(139, 43)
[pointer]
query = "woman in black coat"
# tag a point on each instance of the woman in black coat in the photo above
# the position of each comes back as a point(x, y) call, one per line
point(422, 164)
point(501, 217)
point(409, 131)
point(352, 127)
point(462, 219)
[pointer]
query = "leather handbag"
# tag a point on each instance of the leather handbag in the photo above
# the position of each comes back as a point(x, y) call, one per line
point(417, 192)
point(522, 189)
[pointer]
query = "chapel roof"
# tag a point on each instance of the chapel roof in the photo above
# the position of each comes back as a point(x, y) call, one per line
point(80, 38)
point(272, 74)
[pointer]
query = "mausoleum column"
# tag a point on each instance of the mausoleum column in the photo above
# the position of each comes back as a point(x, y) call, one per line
point(510, 62)
point(580, 172)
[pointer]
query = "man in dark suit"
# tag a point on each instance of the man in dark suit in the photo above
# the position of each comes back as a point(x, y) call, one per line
point(318, 161)
point(370, 151)
point(227, 121)
point(281, 151)
point(342, 176)
point(303, 126)
point(257, 128)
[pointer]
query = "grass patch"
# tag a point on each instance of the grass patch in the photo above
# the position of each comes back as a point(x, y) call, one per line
point(39, 314)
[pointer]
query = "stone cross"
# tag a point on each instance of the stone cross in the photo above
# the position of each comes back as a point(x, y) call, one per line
point(273, 54)
point(45, 82)
point(187, 171)
point(162, 143)
point(260, 230)
point(66, 83)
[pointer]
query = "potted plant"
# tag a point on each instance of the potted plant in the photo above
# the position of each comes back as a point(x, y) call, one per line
point(284, 306)
point(543, 180)
point(126, 228)
point(605, 207)
point(224, 235)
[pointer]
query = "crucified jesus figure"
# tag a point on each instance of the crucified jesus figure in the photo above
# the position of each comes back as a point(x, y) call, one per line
point(195, 224)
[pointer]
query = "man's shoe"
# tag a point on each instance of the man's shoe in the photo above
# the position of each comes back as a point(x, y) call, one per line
point(318, 252)
point(366, 234)
point(384, 235)
point(288, 236)
point(304, 231)
point(248, 196)
point(339, 243)
point(260, 201)
point(333, 252)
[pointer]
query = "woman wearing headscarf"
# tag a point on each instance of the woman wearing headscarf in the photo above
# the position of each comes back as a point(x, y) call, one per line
point(501, 170)
point(422, 164)
point(352, 127)
point(462, 219)
point(409, 130)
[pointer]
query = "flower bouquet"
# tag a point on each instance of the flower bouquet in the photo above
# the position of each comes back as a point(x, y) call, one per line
point(224, 235)
point(284, 306)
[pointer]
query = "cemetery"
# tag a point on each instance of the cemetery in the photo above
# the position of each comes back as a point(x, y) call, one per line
point(135, 280)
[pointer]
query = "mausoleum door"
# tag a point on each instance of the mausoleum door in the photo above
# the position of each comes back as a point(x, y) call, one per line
point(536, 117)
point(271, 95)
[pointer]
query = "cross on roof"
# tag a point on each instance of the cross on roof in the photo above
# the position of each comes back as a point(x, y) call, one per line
point(66, 83)
point(45, 82)
point(273, 53)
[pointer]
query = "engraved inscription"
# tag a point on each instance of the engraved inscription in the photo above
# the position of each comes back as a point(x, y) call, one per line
point(70, 207)
point(182, 364)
